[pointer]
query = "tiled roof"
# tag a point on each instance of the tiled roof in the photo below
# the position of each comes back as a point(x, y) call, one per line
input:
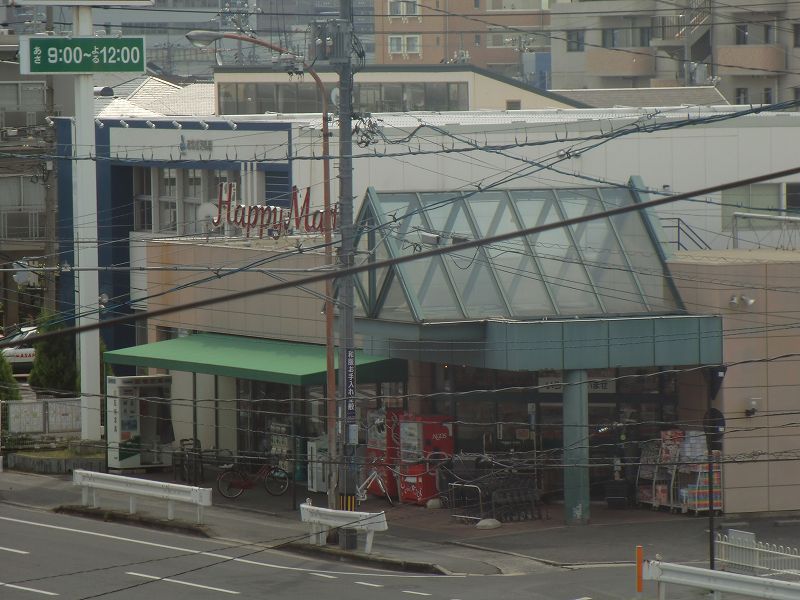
point(657, 96)
point(196, 99)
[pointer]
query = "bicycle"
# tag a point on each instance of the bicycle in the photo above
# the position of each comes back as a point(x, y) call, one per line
point(375, 475)
point(233, 480)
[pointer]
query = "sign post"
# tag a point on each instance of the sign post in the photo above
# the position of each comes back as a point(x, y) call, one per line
point(82, 55)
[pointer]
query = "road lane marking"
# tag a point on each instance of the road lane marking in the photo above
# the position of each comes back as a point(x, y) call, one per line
point(368, 584)
point(325, 575)
point(216, 555)
point(416, 593)
point(27, 589)
point(169, 580)
point(13, 550)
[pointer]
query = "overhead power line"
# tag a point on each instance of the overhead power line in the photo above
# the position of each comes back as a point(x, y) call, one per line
point(410, 257)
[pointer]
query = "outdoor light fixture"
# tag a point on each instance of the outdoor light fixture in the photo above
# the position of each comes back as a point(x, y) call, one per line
point(124, 123)
point(233, 125)
point(203, 124)
point(201, 39)
point(176, 125)
point(150, 124)
point(741, 300)
point(753, 407)
point(99, 123)
point(49, 121)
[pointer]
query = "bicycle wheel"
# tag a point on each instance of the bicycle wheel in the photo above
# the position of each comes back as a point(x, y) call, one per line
point(231, 483)
point(277, 481)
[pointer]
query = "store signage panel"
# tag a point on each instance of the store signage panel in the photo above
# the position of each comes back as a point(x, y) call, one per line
point(598, 382)
point(140, 142)
point(56, 55)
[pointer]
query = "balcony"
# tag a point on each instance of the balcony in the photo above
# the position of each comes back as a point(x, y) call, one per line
point(750, 59)
point(620, 62)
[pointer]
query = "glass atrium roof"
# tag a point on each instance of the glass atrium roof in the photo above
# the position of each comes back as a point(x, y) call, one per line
point(603, 267)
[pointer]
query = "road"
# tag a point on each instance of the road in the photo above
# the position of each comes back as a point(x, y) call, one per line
point(43, 554)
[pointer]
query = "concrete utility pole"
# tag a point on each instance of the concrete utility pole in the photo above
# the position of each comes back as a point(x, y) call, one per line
point(347, 363)
point(84, 216)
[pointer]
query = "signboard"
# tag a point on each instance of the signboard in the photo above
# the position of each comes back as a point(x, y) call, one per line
point(350, 395)
point(56, 55)
point(90, 3)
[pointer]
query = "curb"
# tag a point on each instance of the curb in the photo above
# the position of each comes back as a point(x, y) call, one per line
point(393, 564)
point(116, 516)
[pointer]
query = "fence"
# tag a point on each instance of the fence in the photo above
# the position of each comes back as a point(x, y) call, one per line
point(45, 417)
point(740, 552)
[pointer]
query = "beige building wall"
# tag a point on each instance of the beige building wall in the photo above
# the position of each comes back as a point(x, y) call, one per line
point(292, 314)
point(761, 471)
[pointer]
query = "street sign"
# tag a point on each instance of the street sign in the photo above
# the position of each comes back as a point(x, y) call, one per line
point(90, 3)
point(57, 55)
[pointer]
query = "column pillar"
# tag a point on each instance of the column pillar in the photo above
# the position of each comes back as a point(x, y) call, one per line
point(576, 448)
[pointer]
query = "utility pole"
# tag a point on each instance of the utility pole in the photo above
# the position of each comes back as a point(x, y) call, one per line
point(342, 39)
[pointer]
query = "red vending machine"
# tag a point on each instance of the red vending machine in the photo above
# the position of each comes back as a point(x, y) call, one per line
point(424, 443)
point(383, 451)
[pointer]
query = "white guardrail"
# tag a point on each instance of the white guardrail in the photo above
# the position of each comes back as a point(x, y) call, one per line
point(718, 581)
point(91, 481)
point(323, 519)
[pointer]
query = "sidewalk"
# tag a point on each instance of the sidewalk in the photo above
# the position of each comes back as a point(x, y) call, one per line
point(432, 537)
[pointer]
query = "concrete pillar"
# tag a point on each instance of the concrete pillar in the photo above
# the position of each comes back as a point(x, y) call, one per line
point(576, 448)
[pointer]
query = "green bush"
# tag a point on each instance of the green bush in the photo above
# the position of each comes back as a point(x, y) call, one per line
point(55, 367)
point(9, 389)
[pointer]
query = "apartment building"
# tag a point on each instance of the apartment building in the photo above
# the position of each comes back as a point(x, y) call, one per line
point(749, 52)
point(506, 36)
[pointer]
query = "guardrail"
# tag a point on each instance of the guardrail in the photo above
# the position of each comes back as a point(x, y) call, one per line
point(323, 519)
point(91, 481)
point(716, 581)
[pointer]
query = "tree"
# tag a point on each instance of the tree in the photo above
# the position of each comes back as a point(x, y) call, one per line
point(9, 389)
point(55, 366)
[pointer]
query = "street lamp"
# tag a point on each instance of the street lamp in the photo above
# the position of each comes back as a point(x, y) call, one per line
point(201, 39)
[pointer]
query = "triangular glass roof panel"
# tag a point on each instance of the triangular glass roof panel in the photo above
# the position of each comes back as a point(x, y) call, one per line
point(564, 275)
point(602, 254)
point(394, 305)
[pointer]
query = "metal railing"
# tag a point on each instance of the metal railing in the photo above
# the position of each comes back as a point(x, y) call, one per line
point(740, 552)
point(685, 238)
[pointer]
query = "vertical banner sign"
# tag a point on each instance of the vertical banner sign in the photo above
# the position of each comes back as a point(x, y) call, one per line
point(350, 396)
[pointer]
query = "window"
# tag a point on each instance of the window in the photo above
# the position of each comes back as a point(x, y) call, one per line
point(796, 98)
point(513, 104)
point(762, 198)
point(141, 181)
point(143, 217)
point(793, 197)
point(575, 40)
point(395, 44)
point(167, 183)
point(412, 44)
point(168, 216)
point(741, 96)
point(192, 183)
point(401, 8)
point(796, 34)
point(477, 39)
point(477, 3)
point(769, 34)
point(627, 37)
point(767, 95)
point(740, 36)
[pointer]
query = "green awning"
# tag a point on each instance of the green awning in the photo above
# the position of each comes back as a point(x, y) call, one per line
point(252, 358)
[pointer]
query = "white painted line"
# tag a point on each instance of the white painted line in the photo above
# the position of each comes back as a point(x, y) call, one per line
point(191, 551)
point(366, 583)
point(416, 593)
point(13, 550)
point(325, 575)
point(584, 598)
point(195, 585)
point(27, 589)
